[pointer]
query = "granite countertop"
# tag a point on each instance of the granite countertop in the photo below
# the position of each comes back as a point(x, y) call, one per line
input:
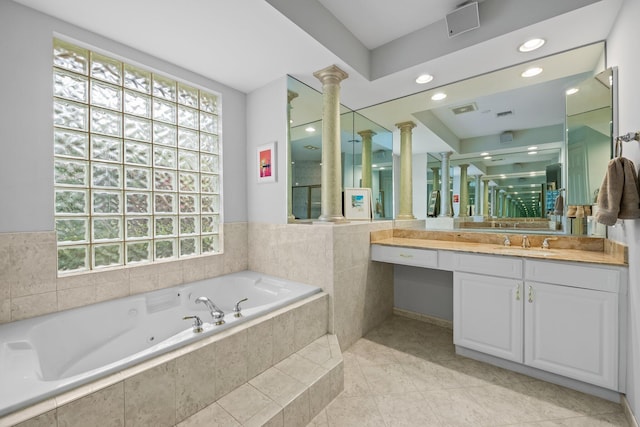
point(562, 248)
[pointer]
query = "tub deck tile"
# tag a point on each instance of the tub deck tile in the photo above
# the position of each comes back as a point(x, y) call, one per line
point(211, 416)
point(278, 386)
point(245, 402)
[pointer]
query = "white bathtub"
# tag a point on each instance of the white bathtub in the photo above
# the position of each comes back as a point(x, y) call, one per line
point(46, 355)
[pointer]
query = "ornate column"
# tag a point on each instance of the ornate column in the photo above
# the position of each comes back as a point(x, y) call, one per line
point(445, 196)
point(478, 202)
point(436, 178)
point(331, 174)
point(291, 95)
point(485, 198)
point(406, 173)
point(366, 135)
point(464, 192)
point(503, 199)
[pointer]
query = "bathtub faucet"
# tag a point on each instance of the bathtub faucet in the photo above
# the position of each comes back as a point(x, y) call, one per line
point(216, 313)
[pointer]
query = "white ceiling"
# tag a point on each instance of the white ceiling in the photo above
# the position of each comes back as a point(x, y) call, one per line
point(377, 22)
point(247, 44)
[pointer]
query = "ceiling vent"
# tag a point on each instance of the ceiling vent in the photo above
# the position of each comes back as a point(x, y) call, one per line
point(506, 137)
point(463, 19)
point(504, 113)
point(465, 108)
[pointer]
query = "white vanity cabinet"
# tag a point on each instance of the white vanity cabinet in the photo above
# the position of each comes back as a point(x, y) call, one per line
point(571, 322)
point(559, 317)
point(487, 314)
point(487, 307)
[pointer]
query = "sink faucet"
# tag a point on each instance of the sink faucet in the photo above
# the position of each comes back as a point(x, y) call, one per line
point(216, 313)
point(525, 242)
point(507, 242)
point(545, 242)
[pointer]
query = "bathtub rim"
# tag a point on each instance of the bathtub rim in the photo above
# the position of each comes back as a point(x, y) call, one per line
point(41, 406)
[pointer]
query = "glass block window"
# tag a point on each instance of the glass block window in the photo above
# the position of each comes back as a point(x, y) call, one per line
point(137, 163)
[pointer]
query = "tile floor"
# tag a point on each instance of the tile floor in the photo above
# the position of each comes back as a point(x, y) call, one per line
point(406, 373)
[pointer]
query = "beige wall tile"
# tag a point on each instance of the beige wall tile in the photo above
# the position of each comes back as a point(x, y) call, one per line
point(296, 413)
point(283, 336)
point(320, 394)
point(150, 397)
point(311, 321)
point(102, 408)
point(270, 416)
point(47, 419)
point(231, 363)
point(259, 348)
point(193, 269)
point(33, 305)
point(76, 297)
point(211, 416)
point(5, 310)
point(195, 381)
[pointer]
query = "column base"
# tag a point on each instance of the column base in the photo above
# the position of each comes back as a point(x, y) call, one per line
point(330, 219)
point(405, 216)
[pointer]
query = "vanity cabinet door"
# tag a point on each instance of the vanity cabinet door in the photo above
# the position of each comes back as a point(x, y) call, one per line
point(487, 314)
point(572, 332)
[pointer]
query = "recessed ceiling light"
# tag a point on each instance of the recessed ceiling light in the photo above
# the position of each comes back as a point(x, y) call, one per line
point(310, 129)
point(572, 91)
point(532, 174)
point(531, 45)
point(382, 168)
point(511, 186)
point(487, 157)
point(533, 71)
point(424, 78)
point(374, 166)
point(533, 147)
point(439, 96)
point(503, 176)
point(532, 152)
point(484, 154)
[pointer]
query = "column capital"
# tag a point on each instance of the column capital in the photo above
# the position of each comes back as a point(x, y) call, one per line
point(405, 126)
point(331, 74)
point(291, 95)
point(366, 133)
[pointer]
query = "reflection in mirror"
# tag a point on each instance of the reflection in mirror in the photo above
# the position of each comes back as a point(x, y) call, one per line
point(305, 145)
point(507, 139)
point(589, 140)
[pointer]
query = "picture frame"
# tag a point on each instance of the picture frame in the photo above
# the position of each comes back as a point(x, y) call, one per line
point(266, 163)
point(357, 203)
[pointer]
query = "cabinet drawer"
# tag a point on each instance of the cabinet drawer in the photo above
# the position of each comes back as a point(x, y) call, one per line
point(406, 256)
point(570, 274)
point(494, 265)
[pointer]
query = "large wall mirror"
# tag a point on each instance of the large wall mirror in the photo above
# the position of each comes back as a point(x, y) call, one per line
point(511, 139)
point(305, 144)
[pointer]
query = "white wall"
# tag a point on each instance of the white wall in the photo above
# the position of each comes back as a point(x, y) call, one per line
point(622, 51)
point(267, 122)
point(26, 111)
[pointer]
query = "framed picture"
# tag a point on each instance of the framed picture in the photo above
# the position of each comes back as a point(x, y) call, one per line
point(357, 203)
point(266, 162)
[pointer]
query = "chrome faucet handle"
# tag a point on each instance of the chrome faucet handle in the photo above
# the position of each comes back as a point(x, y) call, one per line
point(545, 242)
point(197, 323)
point(507, 242)
point(216, 313)
point(237, 309)
point(525, 242)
